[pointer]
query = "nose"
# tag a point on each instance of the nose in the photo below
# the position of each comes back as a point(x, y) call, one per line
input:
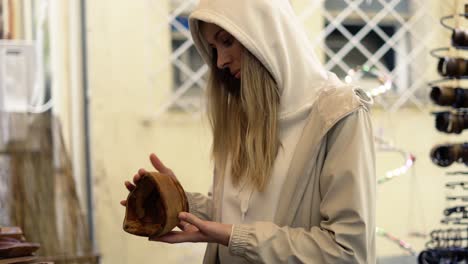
point(223, 60)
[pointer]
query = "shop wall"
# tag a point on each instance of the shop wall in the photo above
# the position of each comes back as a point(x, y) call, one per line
point(122, 99)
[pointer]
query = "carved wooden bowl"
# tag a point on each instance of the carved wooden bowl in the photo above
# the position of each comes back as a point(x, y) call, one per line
point(154, 205)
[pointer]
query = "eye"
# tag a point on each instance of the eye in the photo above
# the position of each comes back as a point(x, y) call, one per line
point(228, 42)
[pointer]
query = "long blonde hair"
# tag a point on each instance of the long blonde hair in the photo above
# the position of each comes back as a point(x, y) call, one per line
point(244, 119)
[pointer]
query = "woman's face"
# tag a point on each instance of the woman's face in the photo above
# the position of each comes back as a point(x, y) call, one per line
point(227, 48)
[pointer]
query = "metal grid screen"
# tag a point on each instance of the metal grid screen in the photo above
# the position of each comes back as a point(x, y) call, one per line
point(393, 37)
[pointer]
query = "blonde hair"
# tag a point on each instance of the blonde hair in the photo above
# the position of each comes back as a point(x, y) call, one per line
point(244, 119)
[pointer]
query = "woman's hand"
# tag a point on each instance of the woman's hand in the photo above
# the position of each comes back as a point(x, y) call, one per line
point(195, 229)
point(157, 164)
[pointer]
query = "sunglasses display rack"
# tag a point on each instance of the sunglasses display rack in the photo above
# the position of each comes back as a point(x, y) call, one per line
point(450, 245)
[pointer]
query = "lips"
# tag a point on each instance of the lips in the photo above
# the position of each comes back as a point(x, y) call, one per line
point(237, 74)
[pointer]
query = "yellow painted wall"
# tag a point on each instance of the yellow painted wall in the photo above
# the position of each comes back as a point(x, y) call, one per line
point(121, 61)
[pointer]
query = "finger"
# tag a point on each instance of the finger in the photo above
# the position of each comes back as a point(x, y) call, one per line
point(123, 202)
point(185, 226)
point(192, 219)
point(182, 225)
point(158, 165)
point(217, 232)
point(137, 177)
point(141, 172)
point(181, 237)
point(130, 187)
point(166, 238)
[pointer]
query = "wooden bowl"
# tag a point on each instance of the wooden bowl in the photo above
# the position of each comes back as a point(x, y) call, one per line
point(154, 205)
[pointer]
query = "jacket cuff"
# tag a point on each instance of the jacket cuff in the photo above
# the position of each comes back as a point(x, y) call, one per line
point(239, 239)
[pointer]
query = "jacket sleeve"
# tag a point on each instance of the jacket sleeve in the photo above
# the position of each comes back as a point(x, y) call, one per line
point(200, 205)
point(346, 233)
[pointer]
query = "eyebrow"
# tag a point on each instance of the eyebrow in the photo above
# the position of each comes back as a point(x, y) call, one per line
point(217, 34)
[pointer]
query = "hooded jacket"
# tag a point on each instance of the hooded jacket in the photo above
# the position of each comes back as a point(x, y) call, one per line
point(326, 207)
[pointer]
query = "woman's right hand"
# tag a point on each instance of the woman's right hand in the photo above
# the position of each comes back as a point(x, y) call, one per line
point(157, 164)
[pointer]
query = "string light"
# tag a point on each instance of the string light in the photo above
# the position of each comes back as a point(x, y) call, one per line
point(399, 171)
point(409, 160)
point(385, 82)
point(401, 243)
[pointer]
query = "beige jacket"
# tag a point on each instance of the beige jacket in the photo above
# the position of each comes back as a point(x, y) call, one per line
point(327, 207)
point(327, 210)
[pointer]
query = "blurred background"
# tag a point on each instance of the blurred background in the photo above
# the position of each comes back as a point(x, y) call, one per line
point(88, 89)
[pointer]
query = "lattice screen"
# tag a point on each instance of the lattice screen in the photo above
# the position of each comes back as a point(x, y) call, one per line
point(393, 37)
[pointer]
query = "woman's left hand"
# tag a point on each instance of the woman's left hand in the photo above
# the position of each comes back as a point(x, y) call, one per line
point(195, 229)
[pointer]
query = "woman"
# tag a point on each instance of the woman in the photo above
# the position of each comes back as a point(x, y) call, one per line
point(294, 178)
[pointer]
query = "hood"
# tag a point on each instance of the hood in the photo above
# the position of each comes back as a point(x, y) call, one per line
point(271, 31)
